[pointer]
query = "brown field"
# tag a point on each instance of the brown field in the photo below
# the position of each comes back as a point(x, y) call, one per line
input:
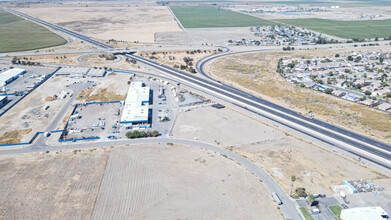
point(119, 22)
point(280, 153)
point(141, 182)
point(256, 73)
point(50, 186)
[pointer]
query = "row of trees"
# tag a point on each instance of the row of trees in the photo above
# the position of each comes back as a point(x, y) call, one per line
point(23, 62)
point(141, 134)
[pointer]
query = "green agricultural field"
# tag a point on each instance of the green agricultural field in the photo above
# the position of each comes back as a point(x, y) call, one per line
point(344, 29)
point(210, 17)
point(17, 34)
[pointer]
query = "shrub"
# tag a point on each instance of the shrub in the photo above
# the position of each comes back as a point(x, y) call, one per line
point(154, 133)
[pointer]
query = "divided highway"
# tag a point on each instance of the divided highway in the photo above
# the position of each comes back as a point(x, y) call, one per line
point(320, 130)
point(367, 148)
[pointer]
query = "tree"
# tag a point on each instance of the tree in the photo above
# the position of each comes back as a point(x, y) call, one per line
point(291, 65)
point(135, 134)
point(14, 59)
point(154, 133)
point(301, 192)
point(192, 70)
point(367, 92)
point(328, 91)
point(337, 55)
point(293, 178)
point(143, 134)
point(311, 199)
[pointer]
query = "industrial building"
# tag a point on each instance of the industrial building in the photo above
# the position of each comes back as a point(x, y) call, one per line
point(364, 213)
point(136, 107)
point(3, 101)
point(81, 72)
point(96, 73)
point(73, 71)
point(10, 75)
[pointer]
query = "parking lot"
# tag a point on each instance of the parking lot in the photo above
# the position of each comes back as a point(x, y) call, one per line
point(94, 120)
point(163, 106)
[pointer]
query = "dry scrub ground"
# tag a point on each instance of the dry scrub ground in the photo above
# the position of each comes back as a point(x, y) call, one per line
point(142, 182)
point(113, 87)
point(126, 23)
point(279, 153)
point(256, 73)
point(176, 58)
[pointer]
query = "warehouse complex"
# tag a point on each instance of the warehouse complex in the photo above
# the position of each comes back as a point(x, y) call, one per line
point(136, 107)
point(364, 213)
point(10, 75)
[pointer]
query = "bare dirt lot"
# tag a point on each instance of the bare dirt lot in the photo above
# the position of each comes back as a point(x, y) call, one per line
point(112, 87)
point(280, 153)
point(50, 186)
point(131, 183)
point(29, 113)
point(127, 23)
point(256, 73)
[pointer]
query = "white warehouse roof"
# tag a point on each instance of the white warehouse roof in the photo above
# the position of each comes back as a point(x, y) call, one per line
point(136, 104)
point(96, 72)
point(363, 213)
point(73, 71)
point(9, 75)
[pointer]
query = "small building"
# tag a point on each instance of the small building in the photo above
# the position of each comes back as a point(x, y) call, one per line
point(368, 102)
point(384, 107)
point(338, 93)
point(364, 213)
point(3, 101)
point(10, 75)
point(351, 188)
